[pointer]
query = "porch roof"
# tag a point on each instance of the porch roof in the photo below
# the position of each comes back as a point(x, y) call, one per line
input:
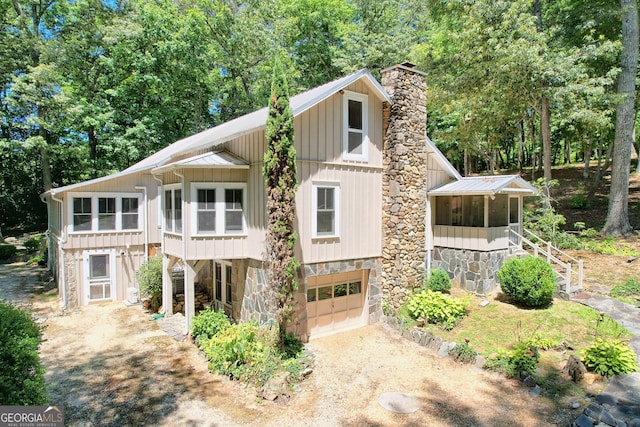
point(486, 186)
point(216, 159)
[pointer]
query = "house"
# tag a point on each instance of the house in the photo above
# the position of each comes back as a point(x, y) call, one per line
point(377, 205)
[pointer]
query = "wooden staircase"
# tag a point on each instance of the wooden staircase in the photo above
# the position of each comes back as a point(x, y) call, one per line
point(568, 269)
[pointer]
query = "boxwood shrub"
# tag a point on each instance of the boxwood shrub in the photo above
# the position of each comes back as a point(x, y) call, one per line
point(438, 280)
point(7, 251)
point(530, 281)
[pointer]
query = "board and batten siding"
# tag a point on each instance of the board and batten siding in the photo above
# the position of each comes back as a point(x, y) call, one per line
point(122, 238)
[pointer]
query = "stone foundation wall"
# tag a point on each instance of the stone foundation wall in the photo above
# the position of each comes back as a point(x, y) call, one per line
point(257, 299)
point(473, 271)
point(71, 280)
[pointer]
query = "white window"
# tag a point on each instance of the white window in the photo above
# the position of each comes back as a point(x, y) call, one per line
point(355, 135)
point(223, 281)
point(173, 208)
point(218, 209)
point(326, 208)
point(101, 212)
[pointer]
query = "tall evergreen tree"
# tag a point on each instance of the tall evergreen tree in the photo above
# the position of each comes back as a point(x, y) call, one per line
point(280, 174)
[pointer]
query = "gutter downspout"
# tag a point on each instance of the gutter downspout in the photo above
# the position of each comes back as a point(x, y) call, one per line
point(61, 242)
point(145, 221)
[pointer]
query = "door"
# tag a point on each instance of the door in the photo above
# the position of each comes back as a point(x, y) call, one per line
point(99, 269)
point(336, 302)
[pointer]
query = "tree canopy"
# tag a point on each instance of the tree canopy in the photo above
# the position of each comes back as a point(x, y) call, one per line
point(89, 87)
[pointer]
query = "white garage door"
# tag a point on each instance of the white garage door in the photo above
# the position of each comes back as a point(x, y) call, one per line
point(336, 302)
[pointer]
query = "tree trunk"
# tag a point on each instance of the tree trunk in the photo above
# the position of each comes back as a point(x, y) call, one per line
point(545, 130)
point(587, 160)
point(93, 151)
point(618, 215)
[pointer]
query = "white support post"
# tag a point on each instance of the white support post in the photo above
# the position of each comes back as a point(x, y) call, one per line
point(189, 295)
point(567, 280)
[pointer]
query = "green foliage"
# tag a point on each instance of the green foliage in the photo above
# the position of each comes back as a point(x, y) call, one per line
point(579, 200)
point(149, 277)
point(249, 353)
point(22, 374)
point(438, 281)
point(612, 246)
point(536, 340)
point(522, 359)
point(631, 288)
point(529, 281)
point(7, 252)
point(207, 324)
point(463, 353)
point(279, 171)
point(435, 307)
point(34, 244)
point(610, 357)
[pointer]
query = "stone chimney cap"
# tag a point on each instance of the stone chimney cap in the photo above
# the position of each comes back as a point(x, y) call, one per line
point(408, 66)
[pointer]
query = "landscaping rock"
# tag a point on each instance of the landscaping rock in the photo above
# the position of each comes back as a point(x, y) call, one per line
point(277, 386)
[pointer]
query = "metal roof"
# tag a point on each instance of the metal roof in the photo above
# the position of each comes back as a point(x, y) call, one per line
point(216, 159)
point(238, 127)
point(485, 185)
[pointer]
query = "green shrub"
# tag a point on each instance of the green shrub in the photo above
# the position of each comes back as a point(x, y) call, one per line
point(208, 323)
point(7, 252)
point(579, 200)
point(435, 307)
point(610, 357)
point(22, 374)
point(463, 353)
point(520, 360)
point(536, 340)
point(530, 281)
point(438, 280)
point(149, 278)
point(34, 244)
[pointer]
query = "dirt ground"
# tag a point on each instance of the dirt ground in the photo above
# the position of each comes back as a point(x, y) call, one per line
point(110, 365)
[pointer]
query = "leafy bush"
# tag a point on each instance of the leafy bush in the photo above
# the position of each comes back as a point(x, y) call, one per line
point(22, 374)
point(536, 340)
point(250, 353)
point(522, 359)
point(437, 308)
point(207, 324)
point(7, 251)
point(529, 281)
point(149, 278)
point(32, 245)
point(579, 200)
point(438, 280)
point(463, 353)
point(610, 357)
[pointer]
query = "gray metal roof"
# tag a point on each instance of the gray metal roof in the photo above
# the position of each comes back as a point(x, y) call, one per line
point(238, 127)
point(485, 185)
point(222, 159)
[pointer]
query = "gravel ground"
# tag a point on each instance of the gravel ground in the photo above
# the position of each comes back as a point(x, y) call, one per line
point(111, 365)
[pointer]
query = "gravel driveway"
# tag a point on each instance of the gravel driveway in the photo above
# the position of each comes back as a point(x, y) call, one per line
point(109, 364)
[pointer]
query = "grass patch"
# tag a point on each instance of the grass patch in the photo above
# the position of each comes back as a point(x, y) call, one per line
point(628, 292)
point(497, 326)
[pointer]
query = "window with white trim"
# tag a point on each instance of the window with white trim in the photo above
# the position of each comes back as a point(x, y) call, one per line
point(355, 127)
point(326, 208)
point(104, 212)
point(218, 208)
point(173, 208)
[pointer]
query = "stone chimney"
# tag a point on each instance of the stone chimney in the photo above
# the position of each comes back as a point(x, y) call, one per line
point(404, 194)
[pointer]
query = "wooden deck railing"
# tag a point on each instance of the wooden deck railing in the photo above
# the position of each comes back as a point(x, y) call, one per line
point(553, 255)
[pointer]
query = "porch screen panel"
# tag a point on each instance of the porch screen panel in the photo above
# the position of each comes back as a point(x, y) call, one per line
point(498, 211)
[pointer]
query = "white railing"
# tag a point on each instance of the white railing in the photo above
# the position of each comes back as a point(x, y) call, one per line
point(553, 255)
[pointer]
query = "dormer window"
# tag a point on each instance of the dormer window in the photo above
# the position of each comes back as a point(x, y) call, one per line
point(355, 138)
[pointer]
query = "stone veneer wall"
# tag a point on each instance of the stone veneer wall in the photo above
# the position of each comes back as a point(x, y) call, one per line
point(71, 281)
point(474, 271)
point(404, 183)
point(257, 300)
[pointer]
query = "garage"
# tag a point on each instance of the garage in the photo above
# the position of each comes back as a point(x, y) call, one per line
point(336, 302)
